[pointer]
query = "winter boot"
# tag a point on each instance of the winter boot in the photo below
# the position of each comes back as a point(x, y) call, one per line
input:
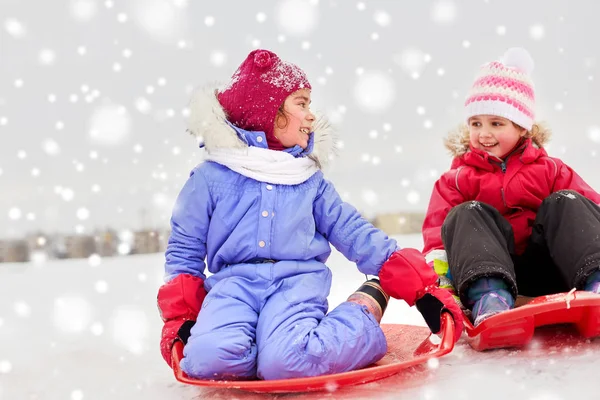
point(592, 284)
point(372, 296)
point(489, 296)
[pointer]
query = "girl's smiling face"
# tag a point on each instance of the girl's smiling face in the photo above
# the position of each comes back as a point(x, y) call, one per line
point(495, 135)
point(293, 123)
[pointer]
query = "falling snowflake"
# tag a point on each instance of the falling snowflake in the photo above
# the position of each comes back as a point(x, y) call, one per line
point(47, 57)
point(76, 395)
point(83, 10)
point(261, 17)
point(209, 20)
point(370, 197)
point(143, 105)
point(218, 58)
point(537, 32)
point(14, 213)
point(161, 19)
point(101, 286)
point(296, 18)
point(97, 329)
point(83, 213)
point(413, 197)
point(374, 92)
point(22, 309)
point(5, 366)
point(110, 125)
point(594, 134)
point(94, 260)
point(382, 18)
point(14, 28)
point(412, 61)
point(443, 12)
point(433, 363)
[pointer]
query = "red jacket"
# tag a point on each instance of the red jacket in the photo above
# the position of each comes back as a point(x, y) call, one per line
point(515, 187)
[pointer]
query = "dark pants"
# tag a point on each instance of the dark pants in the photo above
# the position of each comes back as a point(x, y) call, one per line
point(563, 250)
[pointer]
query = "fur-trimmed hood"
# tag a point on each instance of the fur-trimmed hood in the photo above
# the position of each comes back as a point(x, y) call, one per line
point(457, 141)
point(208, 123)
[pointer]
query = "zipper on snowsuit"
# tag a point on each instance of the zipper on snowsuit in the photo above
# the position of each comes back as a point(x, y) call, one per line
point(502, 165)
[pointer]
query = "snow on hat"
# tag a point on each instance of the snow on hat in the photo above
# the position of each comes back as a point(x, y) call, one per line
point(256, 91)
point(504, 88)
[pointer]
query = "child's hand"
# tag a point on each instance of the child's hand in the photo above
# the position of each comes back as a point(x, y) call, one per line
point(405, 273)
point(432, 302)
point(179, 302)
point(407, 276)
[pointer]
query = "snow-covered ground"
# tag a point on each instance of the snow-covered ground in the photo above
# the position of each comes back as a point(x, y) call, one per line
point(89, 329)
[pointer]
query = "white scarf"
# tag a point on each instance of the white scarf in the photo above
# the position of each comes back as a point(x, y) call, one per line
point(265, 165)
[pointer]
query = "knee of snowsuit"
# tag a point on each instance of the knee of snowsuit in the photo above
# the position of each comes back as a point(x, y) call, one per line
point(478, 242)
point(270, 321)
point(568, 224)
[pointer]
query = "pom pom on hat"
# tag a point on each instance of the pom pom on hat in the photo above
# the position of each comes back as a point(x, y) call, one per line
point(505, 89)
point(518, 58)
point(263, 59)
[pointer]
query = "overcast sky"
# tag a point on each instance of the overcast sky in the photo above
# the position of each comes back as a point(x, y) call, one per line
point(93, 94)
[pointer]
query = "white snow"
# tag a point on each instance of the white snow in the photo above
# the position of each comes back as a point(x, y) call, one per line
point(62, 339)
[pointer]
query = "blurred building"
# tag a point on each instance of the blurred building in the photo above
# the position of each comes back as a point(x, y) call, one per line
point(399, 223)
point(80, 246)
point(147, 241)
point(14, 250)
point(164, 238)
point(107, 242)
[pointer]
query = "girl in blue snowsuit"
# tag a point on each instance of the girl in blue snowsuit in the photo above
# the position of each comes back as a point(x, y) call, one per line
point(261, 215)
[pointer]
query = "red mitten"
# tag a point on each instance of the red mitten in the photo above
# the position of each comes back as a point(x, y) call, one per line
point(179, 302)
point(432, 301)
point(405, 273)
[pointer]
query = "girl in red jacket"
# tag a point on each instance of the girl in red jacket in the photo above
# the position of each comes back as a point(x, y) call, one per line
point(507, 219)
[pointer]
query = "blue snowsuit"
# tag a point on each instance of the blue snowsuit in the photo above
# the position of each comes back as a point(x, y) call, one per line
point(265, 314)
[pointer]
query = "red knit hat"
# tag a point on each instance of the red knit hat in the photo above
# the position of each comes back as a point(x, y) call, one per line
point(256, 91)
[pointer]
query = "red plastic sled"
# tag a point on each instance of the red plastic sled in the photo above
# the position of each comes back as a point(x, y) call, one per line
point(407, 346)
point(515, 328)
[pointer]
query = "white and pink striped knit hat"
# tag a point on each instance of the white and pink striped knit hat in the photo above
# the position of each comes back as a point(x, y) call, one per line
point(505, 89)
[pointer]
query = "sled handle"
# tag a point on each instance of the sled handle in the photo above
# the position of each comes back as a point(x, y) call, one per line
point(443, 345)
point(176, 357)
point(447, 329)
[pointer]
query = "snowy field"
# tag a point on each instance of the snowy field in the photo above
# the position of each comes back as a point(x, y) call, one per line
point(89, 329)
